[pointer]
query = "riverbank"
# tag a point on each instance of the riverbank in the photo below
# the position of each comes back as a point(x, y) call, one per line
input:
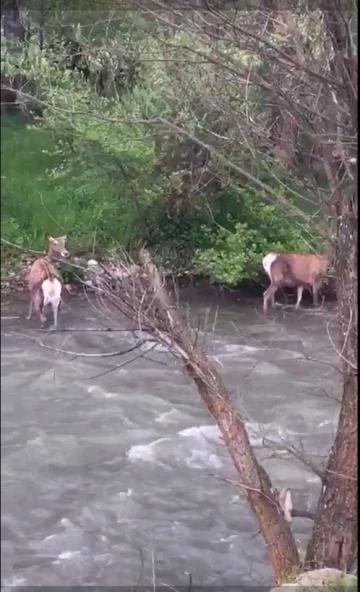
point(16, 264)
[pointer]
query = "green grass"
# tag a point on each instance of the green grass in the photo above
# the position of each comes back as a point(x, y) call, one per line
point(25, 189)
point(87, 201)
point(94, 200)
point(34, 203)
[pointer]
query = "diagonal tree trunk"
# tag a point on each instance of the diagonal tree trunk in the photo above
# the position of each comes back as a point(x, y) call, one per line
point(254, 481)
point(149, 304)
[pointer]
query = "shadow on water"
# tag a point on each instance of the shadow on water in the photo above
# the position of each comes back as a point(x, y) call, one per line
point(104, 479)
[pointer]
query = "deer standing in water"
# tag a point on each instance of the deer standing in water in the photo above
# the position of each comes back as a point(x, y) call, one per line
point(297, 270)
point(43, 280)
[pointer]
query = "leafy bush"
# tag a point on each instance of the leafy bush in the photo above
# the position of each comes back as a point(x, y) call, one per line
point(236, 254)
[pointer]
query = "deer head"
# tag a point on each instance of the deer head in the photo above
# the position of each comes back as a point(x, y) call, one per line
point(57, 249)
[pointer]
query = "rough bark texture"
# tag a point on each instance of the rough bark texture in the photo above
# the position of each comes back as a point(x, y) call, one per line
point(11, 21)
point(256, 484)
point(334, 538)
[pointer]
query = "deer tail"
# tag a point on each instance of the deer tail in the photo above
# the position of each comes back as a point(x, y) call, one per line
point(286, 267)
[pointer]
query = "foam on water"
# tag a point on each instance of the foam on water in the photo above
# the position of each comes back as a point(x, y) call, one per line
point(201, 459)
point(230, 350)
point(228, 539)
point(172, 416)
point(313, 479)
point(327, 422)
point(124, 494)
point(256, 432)
point(267, 369)
point(246, 349)
point(145, 452)
point(8, 585)
point(202, 445)
point(68, 554)
point(101, 393)
point(207, 432)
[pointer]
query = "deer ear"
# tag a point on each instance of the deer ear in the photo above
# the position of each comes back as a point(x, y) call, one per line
point(49, 238)
point(64, 237)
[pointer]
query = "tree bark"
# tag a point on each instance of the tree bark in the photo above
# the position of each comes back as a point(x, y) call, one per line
point(255, 483)
point(11, 21)
point(334, 538)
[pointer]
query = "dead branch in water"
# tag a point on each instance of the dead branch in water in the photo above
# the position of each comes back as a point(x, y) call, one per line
point(80, 329)
point(59, 350)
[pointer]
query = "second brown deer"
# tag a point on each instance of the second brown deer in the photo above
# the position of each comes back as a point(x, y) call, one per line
point(297, 270)
point(44, 283)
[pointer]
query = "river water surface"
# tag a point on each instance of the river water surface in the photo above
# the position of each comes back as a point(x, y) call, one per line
point(120, 479)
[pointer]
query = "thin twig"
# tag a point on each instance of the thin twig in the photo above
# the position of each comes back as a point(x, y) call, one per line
point(241, 485)
point(81, 354)
point(85, 355)
point(83, 329)
point(21, 247)
point(113, 368)
point(291, 449)
point(335, 348)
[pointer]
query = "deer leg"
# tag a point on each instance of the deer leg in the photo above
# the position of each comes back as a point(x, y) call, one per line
point(30, 307)
point(42, 316)
point(315, 289)
point(39, 307)
point(300, 290)
point(269, 294)
point(56, 308)
point(55, 314)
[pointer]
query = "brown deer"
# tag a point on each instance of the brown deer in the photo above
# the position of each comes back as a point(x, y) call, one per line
point(43, 280)
point(297, 270)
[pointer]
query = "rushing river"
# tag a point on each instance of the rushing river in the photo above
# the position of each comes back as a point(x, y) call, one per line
point(120, 479)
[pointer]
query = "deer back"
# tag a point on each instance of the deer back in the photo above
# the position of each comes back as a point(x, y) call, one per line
point(303, 267)
point(40, 271)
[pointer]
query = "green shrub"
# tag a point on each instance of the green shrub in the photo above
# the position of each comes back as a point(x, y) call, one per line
point(236, 254)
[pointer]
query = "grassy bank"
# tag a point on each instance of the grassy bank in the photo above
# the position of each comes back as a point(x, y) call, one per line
point(26, 193)
point(47, 189)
